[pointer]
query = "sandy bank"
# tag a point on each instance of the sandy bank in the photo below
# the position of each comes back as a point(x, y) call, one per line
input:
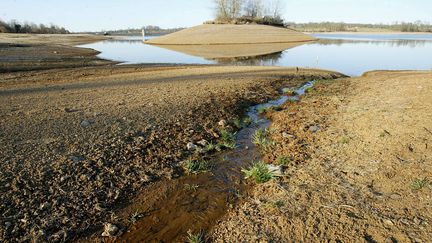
point(230, 34)
point(359, 166)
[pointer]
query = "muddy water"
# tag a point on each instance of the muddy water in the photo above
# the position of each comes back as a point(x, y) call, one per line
point(180, 208)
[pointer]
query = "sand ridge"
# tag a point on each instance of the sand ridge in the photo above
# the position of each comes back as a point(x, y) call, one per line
point(223, 34)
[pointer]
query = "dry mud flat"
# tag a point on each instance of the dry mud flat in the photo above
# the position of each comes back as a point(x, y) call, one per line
point(24, 52)
point(360, 166)
point(77, 143)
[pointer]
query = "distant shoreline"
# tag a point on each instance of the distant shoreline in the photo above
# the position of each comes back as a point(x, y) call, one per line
point(371, 32)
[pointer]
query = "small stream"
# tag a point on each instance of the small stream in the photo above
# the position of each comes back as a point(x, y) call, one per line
point(181, 210)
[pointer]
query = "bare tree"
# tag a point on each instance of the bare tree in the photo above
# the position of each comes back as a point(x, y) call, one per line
point(228, 9)
point(253, 8)
point(274, 8)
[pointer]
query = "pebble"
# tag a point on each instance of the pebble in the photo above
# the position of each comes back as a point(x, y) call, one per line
point(222, 123)
point(388, 222)
point(110, 230)
point(8, 224)
point(314, 128)
point(202, 142)
point(85, 123)
point(395, 196)
point(275, 170)
point(285, 135)
point(191, 146)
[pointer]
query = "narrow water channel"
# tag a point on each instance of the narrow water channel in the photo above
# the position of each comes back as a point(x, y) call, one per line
point(195, 202)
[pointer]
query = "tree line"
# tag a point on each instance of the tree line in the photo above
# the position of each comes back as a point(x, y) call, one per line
point(249, 11)
point(149, 30)
point(417, 26)
point(31, 28)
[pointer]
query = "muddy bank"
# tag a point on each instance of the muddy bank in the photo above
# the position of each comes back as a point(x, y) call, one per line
point(358, 168)
point(25, 52)
point(79, 143)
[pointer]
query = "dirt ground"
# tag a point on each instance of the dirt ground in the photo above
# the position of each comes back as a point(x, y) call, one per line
point(360, 171)
point(25, 52)
point(77, 143)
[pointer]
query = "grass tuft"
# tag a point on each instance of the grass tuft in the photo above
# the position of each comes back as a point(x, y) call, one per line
point(210, 147)
point(133, 218)
point(237, 123)
point(195, 238)
point(418, 184)
point(196, 166)
point(247, 121)
point(283, 161)
point(260, 138)
point(258, 172)
point(228, 139)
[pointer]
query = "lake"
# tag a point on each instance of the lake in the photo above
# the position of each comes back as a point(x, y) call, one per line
point(351, 54)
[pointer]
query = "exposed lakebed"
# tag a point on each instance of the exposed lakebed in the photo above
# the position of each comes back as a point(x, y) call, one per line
point(351, 54)
point(195, 202)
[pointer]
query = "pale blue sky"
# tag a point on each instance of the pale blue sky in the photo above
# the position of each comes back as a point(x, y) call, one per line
point(113, 14)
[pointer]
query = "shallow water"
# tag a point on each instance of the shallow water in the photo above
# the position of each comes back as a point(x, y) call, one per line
point(351, 54)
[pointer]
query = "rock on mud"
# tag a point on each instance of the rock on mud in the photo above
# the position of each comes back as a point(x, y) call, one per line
point(191, 146)
point(222, 123)
point(314, 128)
point(110, 230)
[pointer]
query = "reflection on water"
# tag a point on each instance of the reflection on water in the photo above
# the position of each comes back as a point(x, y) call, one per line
point(349, 54)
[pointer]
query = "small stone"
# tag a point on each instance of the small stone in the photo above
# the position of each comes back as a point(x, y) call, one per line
point(285, 135)
point(275, 170)
point(70, 110)
point(395, 196)
point(8, 224)
point(388, 222)
point(191, 146)
point(314, 129)
point(45, 205)
point(85, 123)
point(417, 240)
point(84, 177)
point(202, 142)
point(222, 123)
point(110, 230)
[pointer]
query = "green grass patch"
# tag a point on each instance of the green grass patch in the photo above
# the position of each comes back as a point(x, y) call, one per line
point(228, 139)
point(210, 147)
point(283, 161)
point(247, 121)
point(196, 166)
point(195, 238)
point(419, 184)
point(258, 172)
point(261, 139)
point(262, 110)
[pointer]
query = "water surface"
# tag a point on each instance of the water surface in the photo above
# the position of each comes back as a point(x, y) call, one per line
point(351, 54)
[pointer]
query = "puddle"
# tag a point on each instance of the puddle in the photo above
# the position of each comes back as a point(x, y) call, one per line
point(194, 203)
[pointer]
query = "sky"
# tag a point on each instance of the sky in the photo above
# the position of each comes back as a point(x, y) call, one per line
point(97, 15)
